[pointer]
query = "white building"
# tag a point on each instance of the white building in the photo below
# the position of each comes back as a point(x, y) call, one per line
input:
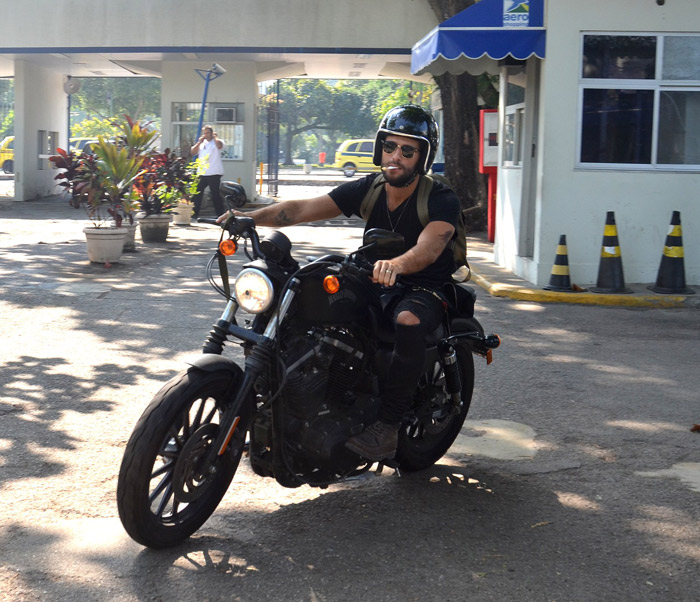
point(608, 120)
point(42, 43)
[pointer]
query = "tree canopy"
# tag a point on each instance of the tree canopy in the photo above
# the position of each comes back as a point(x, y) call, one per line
point(333, 110)
point(109, 97)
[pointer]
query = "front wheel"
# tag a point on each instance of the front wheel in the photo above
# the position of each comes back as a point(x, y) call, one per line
point(164, 492)
point(429, 433)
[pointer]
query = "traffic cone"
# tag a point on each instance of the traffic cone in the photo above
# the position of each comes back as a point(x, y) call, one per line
point(610, 274)
point(560, 280)
point(671, 276)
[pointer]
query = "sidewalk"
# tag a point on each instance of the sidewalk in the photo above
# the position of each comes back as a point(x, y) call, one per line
point(498, 282)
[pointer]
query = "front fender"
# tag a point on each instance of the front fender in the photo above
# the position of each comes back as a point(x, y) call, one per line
point(211, 362)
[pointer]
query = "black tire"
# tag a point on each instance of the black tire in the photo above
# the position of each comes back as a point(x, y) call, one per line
point(8, 166)
point(423, 443)
point(161, 495)
point(349, 170)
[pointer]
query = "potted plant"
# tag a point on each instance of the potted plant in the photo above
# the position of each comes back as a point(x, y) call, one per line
point(160, 188)
point(182, 213)
point(86, 179)
point(119, 168)
point(138, 139)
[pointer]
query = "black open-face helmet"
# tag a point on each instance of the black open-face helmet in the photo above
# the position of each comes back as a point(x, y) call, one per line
point(413, 122)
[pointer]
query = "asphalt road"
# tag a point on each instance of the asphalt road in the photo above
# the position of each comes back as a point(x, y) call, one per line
point(575, 479)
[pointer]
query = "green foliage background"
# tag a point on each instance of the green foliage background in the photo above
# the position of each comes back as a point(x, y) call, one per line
point(316, 115)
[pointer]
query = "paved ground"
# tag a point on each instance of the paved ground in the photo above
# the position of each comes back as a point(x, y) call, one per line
point(575, 480)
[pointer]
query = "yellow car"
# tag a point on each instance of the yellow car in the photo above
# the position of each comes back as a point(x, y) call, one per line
point(355, 155)
point(7, 154)
point(82, 145)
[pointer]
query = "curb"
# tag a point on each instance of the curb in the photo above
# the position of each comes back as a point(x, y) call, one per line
point(536, 295)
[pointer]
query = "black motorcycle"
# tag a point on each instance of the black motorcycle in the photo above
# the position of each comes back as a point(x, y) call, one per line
point(315, 359)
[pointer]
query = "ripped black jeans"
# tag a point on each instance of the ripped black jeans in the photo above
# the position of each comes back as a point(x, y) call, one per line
point(408, 358)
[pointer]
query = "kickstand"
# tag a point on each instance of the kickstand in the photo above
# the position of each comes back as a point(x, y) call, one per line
point(389, 463)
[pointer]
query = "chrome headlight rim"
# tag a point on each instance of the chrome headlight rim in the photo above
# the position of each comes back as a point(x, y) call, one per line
point(253, 291)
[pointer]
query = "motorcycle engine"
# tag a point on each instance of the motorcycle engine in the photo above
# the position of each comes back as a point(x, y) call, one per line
point(329, 393)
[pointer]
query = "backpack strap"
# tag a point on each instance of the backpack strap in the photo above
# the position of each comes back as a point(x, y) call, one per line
point(371, 197)
point(424, 187)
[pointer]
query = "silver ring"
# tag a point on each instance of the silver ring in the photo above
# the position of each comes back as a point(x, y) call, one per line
point(388, 271)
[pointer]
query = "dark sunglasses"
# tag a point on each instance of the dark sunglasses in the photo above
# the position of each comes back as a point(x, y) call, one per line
point(407, 151)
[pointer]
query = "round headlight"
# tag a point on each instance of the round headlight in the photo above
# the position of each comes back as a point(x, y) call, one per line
point(253, 291)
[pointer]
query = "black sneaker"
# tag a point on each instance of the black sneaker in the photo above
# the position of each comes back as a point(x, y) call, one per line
point(377, 442)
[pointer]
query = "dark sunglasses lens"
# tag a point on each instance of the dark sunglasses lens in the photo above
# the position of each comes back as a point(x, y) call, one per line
point(407, 151)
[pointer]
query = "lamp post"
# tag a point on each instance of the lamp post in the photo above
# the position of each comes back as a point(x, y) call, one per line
point(207, 75)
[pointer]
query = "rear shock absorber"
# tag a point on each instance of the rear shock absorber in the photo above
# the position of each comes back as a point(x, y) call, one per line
point(453, 383)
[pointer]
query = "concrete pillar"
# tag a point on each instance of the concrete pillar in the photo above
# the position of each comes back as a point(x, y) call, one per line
point(41, 123)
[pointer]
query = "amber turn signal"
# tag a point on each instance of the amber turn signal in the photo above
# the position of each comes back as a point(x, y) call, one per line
point(227, 247)
point(331, 284)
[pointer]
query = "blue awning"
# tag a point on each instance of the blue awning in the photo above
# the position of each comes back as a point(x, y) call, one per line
point(480, 35)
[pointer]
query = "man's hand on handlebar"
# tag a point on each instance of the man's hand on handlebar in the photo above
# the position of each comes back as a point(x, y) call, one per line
point(385, 272)
point(225, 216)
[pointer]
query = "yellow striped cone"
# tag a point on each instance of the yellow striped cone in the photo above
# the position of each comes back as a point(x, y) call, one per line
point(611, 278)
point(671, 276)
point(560, 280)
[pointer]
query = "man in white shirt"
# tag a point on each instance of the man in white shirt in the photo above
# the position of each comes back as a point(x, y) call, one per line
point(208, 150)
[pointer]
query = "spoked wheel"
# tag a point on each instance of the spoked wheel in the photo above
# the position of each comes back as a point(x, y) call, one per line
point(165, 490)
point(430, 432)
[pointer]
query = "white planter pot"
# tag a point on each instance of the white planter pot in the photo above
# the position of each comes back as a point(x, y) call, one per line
point(154, 228)
point(130, 241)
point(105, 245)
point(307, 167)
point(182, 214)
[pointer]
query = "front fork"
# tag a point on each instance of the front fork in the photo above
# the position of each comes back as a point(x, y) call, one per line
point(257, 361)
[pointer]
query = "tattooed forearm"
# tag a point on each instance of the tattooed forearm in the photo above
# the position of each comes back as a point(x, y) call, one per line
point(282, 219)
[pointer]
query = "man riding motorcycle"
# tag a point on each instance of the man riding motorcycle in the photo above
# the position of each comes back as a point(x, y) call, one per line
point(405, 147)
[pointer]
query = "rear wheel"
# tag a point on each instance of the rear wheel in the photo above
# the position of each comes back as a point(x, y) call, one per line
point(431, 431)
point(165, 492)
point(349, 170)
point(8, 166)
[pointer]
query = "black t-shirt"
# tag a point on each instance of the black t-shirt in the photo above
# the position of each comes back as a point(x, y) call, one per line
point(443, 205)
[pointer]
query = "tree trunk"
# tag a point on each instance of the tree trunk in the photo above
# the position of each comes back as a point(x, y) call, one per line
point(460, 130)
point(461, 136)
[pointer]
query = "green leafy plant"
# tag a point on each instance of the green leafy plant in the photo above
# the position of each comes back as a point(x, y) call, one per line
point(100, 182)
point(119, 169)
point(125, 175)
point(135, 136)
point(165, 181)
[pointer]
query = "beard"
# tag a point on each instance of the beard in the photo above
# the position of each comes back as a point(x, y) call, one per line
point(399, 177)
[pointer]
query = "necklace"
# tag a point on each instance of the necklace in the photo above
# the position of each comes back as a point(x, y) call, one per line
point(403, 210)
